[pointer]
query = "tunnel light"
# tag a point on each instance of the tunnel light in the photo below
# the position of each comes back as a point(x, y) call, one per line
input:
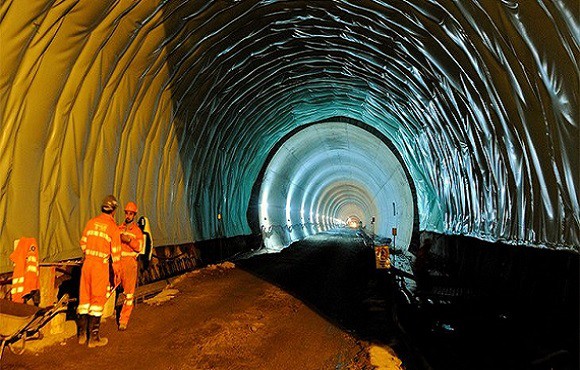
point(264, 213)
point(289, 207)
point(264, 208)
point(288, 218)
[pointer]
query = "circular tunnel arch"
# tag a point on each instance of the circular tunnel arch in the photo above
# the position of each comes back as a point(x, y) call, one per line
point(176, 104)
point(336, 202)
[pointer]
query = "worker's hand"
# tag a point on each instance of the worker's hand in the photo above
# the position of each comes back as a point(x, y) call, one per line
point(125, 238)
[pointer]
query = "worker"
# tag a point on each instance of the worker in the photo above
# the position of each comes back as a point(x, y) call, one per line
point(101, 245)
point(147, 251)
point(25, 277)
point(132, 243)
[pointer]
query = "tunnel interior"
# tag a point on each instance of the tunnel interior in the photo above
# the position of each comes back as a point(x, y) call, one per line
point(330, 173)
point(178, 105)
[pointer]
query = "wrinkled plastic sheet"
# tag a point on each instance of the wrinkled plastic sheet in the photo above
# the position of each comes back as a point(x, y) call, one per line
point(177, 104)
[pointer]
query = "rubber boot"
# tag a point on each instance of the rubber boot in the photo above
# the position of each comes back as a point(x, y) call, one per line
point(95, 340)
point(82, 324)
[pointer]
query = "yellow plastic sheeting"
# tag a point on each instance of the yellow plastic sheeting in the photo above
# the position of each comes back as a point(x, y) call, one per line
point(84, 113)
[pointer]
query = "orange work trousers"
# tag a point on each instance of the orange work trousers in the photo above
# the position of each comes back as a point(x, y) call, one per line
point(93, 286)
point(128, 281)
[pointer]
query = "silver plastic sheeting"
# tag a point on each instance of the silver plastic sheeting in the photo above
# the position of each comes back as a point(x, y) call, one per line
point(176, 105)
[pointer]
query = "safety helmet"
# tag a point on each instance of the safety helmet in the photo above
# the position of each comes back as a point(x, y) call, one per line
point(132, 207)
point(109, 203)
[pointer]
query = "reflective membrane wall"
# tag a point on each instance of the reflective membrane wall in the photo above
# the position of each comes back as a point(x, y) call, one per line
point(177, 104)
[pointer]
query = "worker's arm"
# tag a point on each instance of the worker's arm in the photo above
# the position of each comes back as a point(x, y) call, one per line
point(136, 244)
point(83, 241)
point(134, 241)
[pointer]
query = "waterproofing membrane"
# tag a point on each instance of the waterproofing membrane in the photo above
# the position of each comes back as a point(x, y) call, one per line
point(176, 105)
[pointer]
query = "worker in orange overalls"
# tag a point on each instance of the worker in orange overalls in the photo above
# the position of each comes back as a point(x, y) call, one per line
point(101, 244)
point(132, 243)
point(25, 278)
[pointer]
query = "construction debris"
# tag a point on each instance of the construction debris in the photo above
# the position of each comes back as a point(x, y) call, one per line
point(164, 296)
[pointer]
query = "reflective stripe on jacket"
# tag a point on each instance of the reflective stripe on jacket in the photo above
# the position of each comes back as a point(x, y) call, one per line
point(101, 238)
point(26, 268)
point(136, 245)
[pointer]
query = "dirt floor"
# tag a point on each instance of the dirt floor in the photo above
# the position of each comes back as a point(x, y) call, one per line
point(318, 304)
point(223, 317)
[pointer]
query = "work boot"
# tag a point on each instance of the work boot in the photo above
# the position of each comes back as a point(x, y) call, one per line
point(82, 329)
point(94, 339)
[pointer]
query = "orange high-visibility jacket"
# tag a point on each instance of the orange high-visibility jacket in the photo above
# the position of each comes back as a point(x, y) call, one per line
point(26, 270)
point(101, 238)
point(136, 245)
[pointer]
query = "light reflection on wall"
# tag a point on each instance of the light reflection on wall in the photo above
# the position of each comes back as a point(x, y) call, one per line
point(324, 174)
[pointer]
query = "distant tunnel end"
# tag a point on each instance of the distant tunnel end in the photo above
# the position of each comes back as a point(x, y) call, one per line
point(320, 175)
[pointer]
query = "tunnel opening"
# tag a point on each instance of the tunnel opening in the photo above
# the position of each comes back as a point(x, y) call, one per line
point(324, 172)
point(353, 221)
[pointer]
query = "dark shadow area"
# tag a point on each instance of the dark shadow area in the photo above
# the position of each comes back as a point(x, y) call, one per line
point(68, 283)
point(334, 274)
point(517, 304)
point(221, 249)
point(450, 320)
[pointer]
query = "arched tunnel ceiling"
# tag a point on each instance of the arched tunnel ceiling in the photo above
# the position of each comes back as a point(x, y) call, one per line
point(176, 104)
point(326, 172)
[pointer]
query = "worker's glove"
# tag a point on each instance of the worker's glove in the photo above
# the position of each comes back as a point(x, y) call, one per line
point(125, 238)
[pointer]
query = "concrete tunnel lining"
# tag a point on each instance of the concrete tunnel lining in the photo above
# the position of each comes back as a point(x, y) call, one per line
point(324, 162)
point(177, 104)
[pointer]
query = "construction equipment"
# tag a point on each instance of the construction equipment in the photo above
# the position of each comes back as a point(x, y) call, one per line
point(20, 322)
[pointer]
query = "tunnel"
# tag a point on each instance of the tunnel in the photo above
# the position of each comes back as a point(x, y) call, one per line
point(442, 126)
point(182, 106)
point(330, 174)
